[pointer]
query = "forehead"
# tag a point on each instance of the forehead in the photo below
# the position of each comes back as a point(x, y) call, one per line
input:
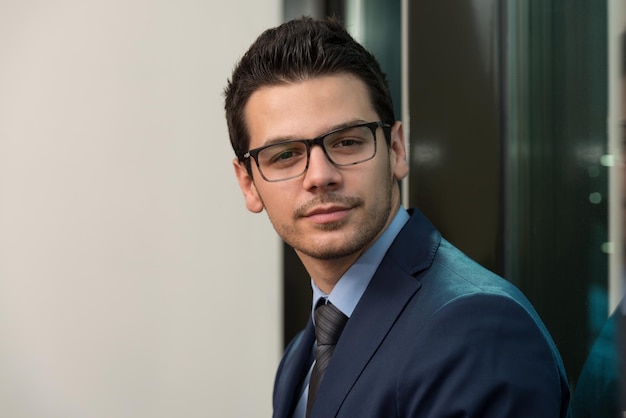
point(307, 108)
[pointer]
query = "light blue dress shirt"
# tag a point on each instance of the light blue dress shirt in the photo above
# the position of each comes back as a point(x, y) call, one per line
point(351, 286)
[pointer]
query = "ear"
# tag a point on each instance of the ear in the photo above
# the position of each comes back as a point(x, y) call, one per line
point(250, 193)
point(397, 152)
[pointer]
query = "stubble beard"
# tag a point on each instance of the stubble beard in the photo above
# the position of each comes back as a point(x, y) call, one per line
point(355, 239)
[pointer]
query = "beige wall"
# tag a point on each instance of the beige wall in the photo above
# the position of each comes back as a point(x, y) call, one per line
point(133, 283)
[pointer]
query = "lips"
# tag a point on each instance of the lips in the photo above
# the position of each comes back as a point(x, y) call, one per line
point(327, 208)
point(326, 214)
point(324, 210)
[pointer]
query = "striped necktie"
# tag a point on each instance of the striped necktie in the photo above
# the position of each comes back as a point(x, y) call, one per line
point(329, 323)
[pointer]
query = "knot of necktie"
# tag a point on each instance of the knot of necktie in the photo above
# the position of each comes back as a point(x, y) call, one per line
point(329, 323)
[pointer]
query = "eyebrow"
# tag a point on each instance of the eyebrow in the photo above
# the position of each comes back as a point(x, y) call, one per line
point(332, 128)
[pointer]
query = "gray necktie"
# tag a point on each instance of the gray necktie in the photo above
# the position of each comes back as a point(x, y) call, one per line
point(329, 322)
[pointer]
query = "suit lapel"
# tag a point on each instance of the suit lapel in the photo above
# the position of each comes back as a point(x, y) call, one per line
point(297, 360)
point(391, 288)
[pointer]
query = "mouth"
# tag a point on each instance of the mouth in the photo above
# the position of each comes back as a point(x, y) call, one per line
point(327, 213)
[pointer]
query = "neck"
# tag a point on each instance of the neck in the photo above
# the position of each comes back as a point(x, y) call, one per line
point(326, 273)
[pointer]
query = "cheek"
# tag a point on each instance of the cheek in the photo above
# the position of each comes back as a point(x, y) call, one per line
point(275, 200)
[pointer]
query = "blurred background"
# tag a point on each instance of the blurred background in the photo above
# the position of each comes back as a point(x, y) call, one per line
point(133, 282)
point(515, 112)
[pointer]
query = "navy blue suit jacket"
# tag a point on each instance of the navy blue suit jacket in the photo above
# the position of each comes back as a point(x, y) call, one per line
point(435, 335)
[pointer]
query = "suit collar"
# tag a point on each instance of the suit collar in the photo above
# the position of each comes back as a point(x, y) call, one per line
point(391, 288)
point(416, 245)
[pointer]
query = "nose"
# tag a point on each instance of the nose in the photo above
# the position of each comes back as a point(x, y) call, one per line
point(321, 173)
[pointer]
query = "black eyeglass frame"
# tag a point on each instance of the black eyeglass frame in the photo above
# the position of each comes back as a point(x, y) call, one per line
point(373, 126)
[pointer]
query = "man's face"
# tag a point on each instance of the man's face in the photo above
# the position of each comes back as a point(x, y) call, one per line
point(328, 212)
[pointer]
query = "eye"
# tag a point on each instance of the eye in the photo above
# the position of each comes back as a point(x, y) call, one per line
point(348, 142)
point(344, 144)
point(283, 154)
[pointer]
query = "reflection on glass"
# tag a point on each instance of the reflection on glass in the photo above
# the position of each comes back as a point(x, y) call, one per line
point(597, 392)
point(601, 388)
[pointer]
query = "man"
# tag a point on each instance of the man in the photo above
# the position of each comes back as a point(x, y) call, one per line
point(430, 333)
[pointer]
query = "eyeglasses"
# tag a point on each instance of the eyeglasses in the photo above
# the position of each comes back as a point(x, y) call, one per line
point(343, 147)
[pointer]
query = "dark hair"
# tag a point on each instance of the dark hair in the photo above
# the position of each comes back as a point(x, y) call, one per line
point(296, 51)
